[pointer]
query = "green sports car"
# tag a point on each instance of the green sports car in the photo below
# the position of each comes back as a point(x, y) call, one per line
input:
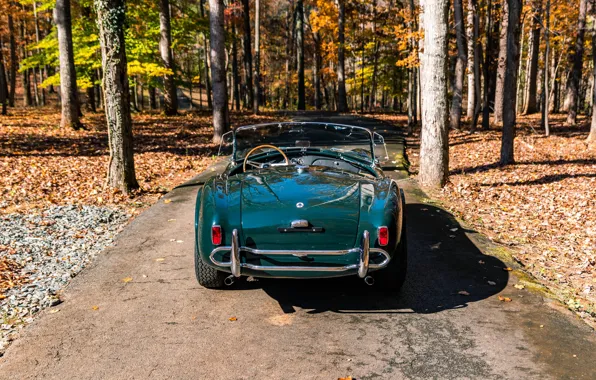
point(301, 200)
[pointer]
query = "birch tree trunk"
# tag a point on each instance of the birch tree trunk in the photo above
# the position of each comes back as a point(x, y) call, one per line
point(121, 169)
point(342, 105)
point(460, 66)
point(534, 53)
point(501, 64)
point(300, 53)
point(248, 100)
point(434, 146)
point(218, 69)
point(575, 76)
point(165, 48)
point(471, 46)
point(68, 76)
point(510, 84)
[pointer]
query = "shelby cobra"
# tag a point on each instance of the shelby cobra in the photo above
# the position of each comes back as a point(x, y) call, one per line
point(301, 200)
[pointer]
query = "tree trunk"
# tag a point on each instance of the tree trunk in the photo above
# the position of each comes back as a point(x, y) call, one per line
point(91, 94)
point(373, 85)
point(165, 48)
point(460, 65)
point(317, 63)
point(477, 59)
point(300, 54)
point(501, 64)
point(342, 105)
point(257, 78)
point(434, 146)
point(510, 93)
point(68, 76)
point(13, 61)
point(575, 76)
point(27, 99)
point(218, 69)
point(3, 82)
point(471, 49)
point(247, 54)
point(152, 98)
point(591, 140)
point(534, 53)
point(37, 39)
point(235, 74)
point(486, 68)
point(545, 85)
point(111, 20)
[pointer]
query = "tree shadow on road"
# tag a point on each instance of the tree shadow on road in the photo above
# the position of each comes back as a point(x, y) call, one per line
point(446, 270)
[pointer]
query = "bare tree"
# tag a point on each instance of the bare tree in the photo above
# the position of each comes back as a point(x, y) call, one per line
point(342, 101)
point(68, 75)
point(460, 65)
point(501, 64)
point(218, 69)
point(510, 85)
point(575, 76)
point(111, 19)
point(434, 146)
point(534, 54)
point(165, 48)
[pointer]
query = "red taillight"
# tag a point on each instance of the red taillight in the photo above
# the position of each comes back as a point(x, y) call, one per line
point(216, 235)
point(383, 236)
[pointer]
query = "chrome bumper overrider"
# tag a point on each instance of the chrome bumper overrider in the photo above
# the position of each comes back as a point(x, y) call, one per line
point(362, 266)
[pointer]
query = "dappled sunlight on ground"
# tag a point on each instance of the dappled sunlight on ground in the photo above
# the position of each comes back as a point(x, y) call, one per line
point(543, 207)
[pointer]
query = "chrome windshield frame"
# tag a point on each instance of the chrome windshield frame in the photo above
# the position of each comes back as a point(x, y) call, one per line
point(372, 162)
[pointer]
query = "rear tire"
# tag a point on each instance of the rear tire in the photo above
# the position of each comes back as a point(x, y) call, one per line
point(208, 276)
point(393, 276)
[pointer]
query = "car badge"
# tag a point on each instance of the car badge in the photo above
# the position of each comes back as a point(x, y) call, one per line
point(299, 205)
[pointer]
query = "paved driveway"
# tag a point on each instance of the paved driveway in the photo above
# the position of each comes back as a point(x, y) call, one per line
point(162, 324)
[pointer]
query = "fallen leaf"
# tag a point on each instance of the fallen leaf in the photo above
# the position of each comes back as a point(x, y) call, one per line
point(504, 299)
point(127, 279)
point(95, 307)
point(463, 293)
point(480, 262)
point(541, 326)
point(167, 201)
point(492, 283)
point(171, 220)
point(518, 286)
point(508, 269)
point(54, 311)
point(179, 241)
point(233, 319)
point(345, 378)
point(160, 259)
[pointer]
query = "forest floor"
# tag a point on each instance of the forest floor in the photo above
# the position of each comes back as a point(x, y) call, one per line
point(542, 208)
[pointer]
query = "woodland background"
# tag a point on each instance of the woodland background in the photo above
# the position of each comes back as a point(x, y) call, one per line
point(113, 103)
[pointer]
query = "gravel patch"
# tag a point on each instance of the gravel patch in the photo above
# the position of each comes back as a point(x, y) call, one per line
point(48, 249)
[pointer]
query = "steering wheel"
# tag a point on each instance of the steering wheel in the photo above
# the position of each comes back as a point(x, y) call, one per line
point(256, 164)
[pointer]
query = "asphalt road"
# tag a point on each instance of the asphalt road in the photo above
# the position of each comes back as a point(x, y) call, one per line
point(162, 324)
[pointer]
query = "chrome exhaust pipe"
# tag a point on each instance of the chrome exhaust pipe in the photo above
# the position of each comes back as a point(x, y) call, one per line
point(369, 280)
point(228, 281)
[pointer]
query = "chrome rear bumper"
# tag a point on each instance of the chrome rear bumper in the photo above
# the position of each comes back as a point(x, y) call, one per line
point(362, 266)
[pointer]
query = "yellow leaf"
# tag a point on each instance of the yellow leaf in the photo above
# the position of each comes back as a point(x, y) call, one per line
point(504, 299)
point(233, 319)
point(518, 286)
point(167, 201)
point(160, 259)
point(127, 279)
point(95, 307)
point(508, 269)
